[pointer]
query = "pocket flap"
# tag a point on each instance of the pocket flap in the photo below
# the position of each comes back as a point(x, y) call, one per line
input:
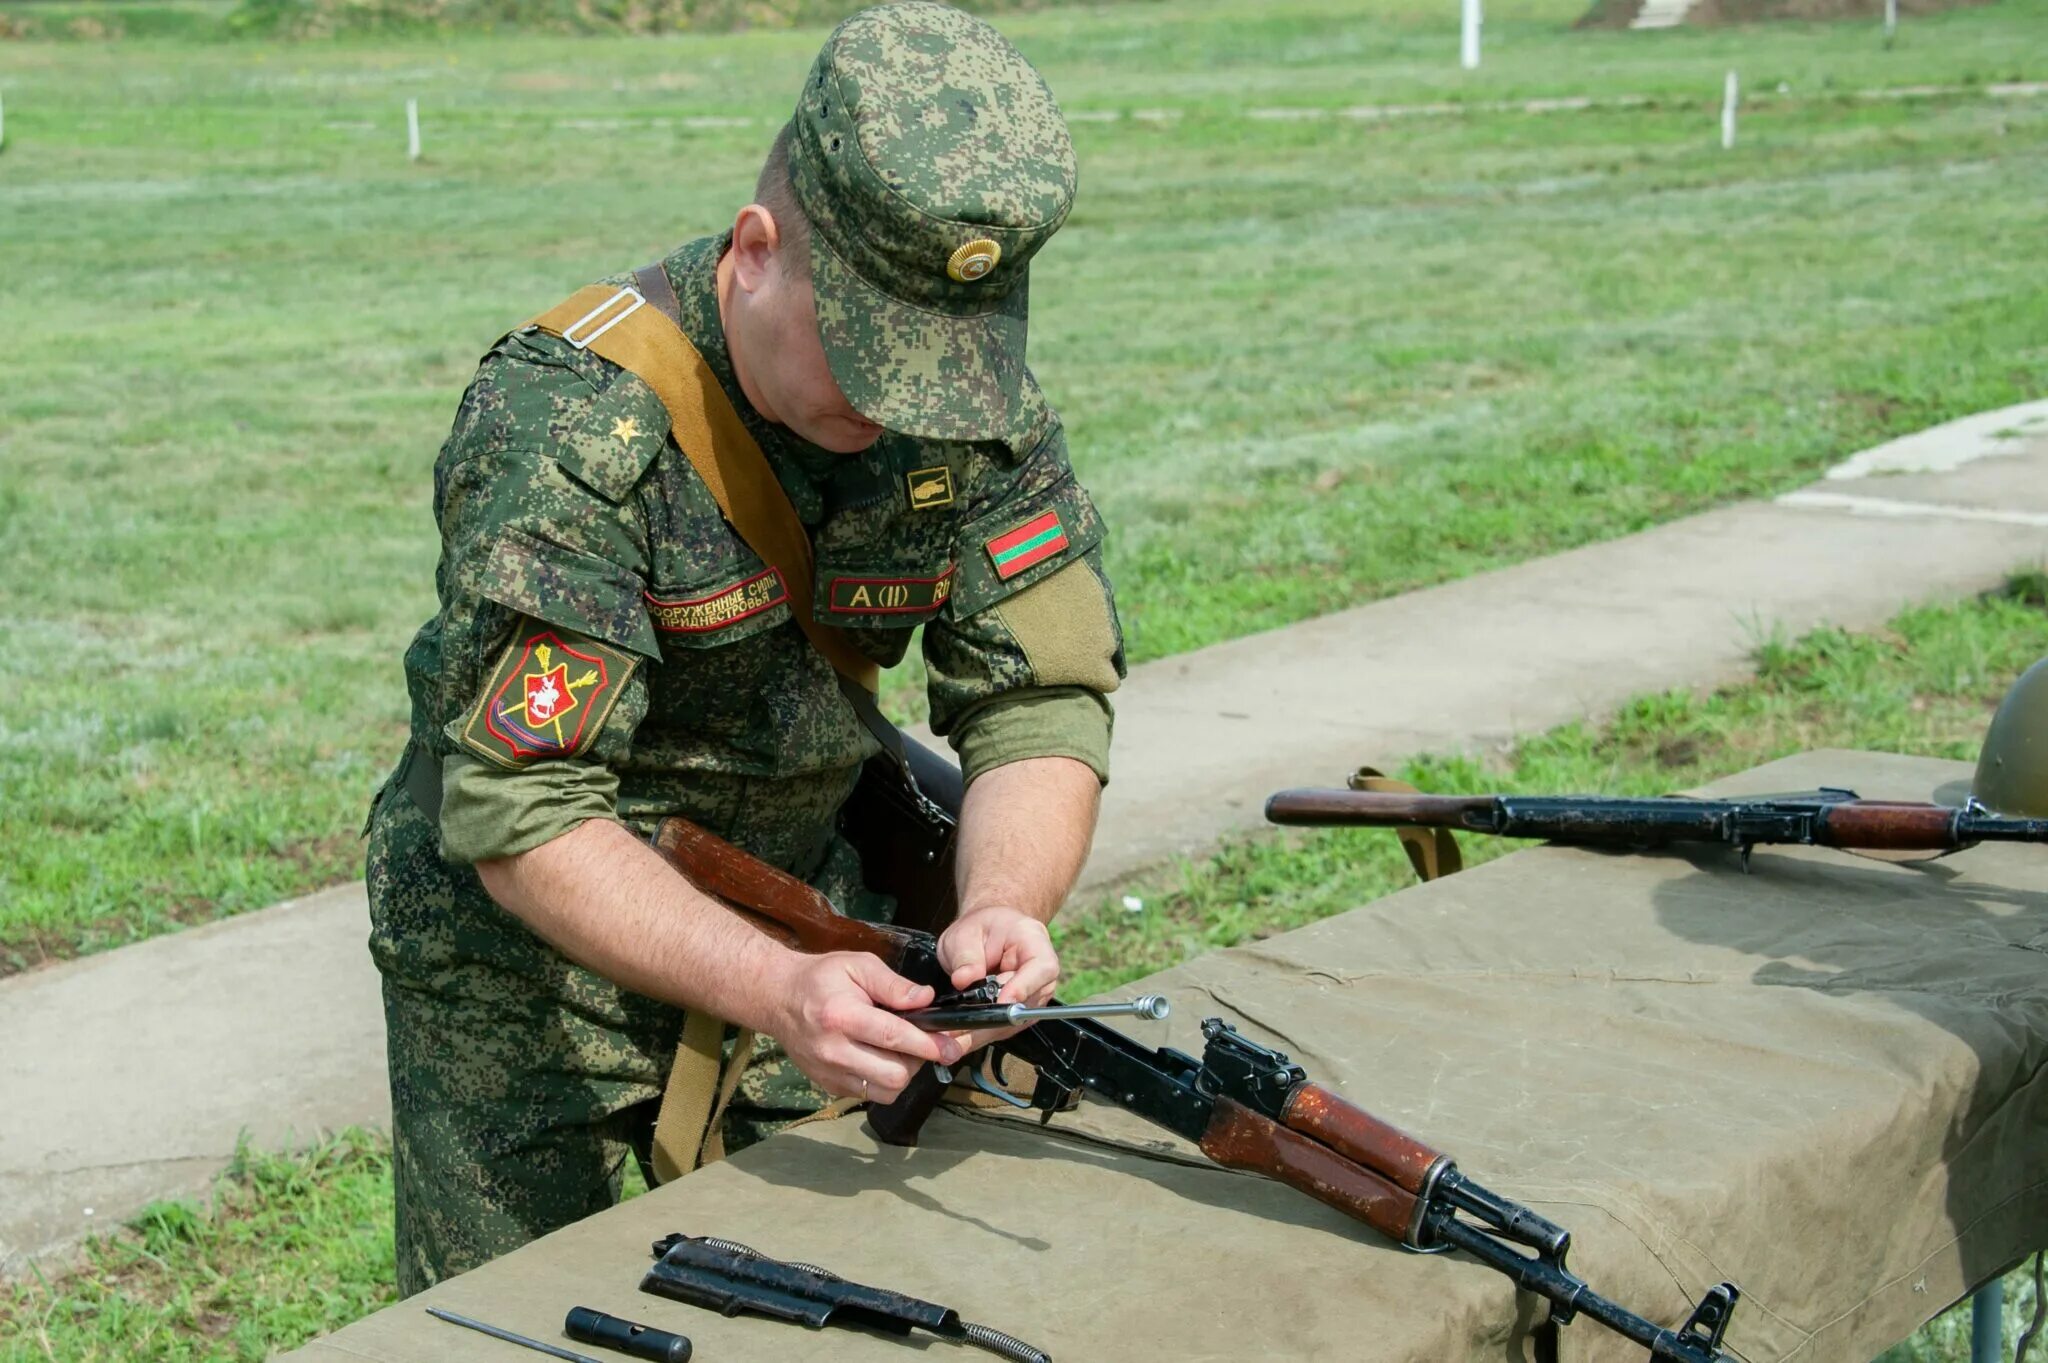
point(566, 587)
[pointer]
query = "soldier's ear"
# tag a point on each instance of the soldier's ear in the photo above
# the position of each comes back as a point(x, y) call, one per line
point(755, 243)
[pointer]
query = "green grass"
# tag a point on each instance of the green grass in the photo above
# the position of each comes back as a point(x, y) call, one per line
point(296, 1245)
point(214, 20)
point(288, 1247)
point(1305, 363)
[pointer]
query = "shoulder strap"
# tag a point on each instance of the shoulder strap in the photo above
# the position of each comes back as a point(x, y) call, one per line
point(618, 325)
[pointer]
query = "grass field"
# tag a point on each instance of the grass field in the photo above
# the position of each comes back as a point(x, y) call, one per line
point(1305, 361)
point(297, 1245)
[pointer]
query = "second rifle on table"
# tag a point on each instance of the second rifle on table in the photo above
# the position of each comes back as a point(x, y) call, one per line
point(1821, 818)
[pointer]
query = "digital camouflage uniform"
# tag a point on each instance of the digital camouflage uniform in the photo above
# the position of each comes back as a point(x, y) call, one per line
point(607, 647)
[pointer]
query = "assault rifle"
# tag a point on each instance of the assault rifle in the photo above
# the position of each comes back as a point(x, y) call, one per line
point(1822, 818)
point(1246, 1106)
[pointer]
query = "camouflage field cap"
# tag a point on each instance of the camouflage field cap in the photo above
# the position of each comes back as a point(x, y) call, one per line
point(932, 163)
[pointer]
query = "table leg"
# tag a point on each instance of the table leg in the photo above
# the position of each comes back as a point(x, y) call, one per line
point(1987, 1320)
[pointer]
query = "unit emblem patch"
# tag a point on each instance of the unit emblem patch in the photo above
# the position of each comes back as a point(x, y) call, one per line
point(929, 488)
point(1038, 539)
point(889, 595)
point(547, 698)
point(694, 615)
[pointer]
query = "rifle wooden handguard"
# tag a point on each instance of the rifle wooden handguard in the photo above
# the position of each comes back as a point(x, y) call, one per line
point(1889, 826)
point(1239, 1138)
point(1356, 1134)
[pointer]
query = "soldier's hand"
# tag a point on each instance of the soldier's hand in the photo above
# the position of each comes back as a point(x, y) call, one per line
point(836, 1027)
point(1005, 942)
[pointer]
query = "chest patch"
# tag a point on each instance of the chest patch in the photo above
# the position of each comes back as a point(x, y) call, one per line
point(929, 488)
point(889, 595)
point(1036, 540)
point(548, 696)
point(695, 615)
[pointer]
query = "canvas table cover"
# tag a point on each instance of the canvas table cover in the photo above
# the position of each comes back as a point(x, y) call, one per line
point(1823, 1079)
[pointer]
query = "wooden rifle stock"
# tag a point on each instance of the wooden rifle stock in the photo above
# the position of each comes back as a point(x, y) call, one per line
point(778, 903)
point(799, 916)
point(1378, 809)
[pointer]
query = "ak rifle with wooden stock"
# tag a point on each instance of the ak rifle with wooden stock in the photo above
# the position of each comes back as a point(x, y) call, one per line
point(1820, 818)
point(1246, 1106)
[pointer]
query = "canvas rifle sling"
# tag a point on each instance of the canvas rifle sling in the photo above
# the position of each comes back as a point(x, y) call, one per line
point(1433, 852)
point(648, 341)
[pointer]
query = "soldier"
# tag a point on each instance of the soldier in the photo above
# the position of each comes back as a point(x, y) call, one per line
point(609, 652)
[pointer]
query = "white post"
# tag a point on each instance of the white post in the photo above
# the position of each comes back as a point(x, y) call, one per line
point(1468, 46)
point(412, 130)
point(1728, 114)
point(1891, 18)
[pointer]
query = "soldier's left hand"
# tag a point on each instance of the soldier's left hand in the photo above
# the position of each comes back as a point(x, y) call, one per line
point(1002, 941)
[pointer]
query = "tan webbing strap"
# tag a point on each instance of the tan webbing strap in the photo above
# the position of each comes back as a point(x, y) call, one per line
point(714, 1130)
point(686, 1102)
point(831, 1112)
point(618, 325)
point(1433, 852)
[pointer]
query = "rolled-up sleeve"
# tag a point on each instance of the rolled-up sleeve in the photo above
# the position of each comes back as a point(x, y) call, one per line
point(1022, 662)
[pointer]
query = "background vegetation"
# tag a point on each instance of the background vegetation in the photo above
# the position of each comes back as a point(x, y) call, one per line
point(1309, 355)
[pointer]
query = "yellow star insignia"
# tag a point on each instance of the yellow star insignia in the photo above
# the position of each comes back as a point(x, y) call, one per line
point(626, 430)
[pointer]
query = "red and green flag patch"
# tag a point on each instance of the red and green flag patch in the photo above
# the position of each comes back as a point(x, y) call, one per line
point(547, 697)
point(1038, 539)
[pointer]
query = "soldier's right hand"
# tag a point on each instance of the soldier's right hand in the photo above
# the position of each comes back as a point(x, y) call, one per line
point(836, 1024)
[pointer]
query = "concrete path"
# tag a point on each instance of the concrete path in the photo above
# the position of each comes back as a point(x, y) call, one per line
point(128, 1075)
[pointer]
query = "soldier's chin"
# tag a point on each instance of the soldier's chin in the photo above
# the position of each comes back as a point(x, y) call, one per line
point(842, 435)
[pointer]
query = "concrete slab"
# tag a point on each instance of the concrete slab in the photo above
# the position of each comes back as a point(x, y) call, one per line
point(1938, 449)
point(128, 1075)
point(2002, 481)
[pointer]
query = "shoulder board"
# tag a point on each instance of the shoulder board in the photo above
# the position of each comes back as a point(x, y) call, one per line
point(600, 423)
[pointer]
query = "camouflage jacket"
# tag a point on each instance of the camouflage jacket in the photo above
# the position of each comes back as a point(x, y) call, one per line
point(606, 645)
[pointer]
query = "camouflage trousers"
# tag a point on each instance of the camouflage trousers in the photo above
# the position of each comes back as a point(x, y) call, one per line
point(520, 1082)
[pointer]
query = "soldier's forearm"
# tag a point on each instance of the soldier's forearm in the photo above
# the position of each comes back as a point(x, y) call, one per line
point(1025, 829)
point(610, 903)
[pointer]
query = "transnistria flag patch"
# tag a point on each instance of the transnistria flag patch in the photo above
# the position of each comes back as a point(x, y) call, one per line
point(1033, 542)
point(548, 697)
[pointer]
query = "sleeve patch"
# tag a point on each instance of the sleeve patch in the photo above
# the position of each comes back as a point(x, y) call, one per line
point(762, 591)
point(548, 697)
point(1014, 546)
point(1027, 545)
point(889, 595)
